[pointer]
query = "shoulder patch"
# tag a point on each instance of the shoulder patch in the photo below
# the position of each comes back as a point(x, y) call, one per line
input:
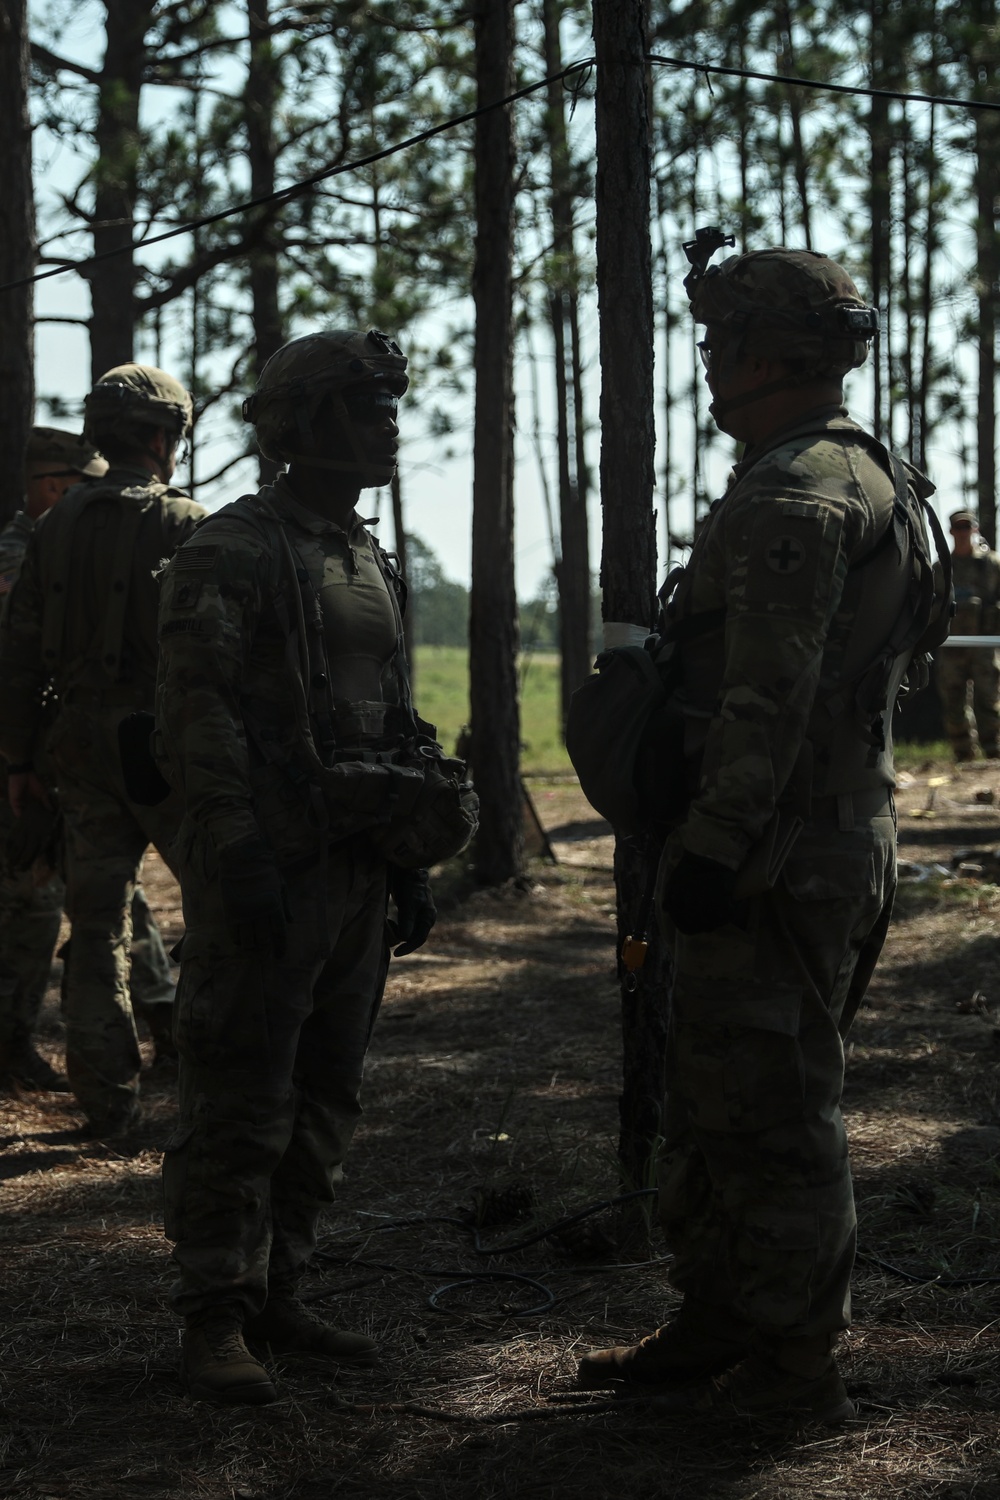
point(789, 553)
point(193, 559)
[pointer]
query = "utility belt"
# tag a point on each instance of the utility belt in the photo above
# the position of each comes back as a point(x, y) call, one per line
point(848, 809)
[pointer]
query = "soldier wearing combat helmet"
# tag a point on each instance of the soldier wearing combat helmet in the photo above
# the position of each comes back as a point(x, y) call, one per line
point(311, 794)
point(81, 618)
point(808, 598)
point(967, 678)
point(31, 894)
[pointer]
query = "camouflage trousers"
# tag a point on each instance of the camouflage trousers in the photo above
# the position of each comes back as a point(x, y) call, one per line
point(271, 1061)
point(30, 917)
point(756, 1199)
point(106, 836)
point(968, 684)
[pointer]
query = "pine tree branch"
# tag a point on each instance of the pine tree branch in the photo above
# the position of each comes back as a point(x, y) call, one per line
point(53, 64)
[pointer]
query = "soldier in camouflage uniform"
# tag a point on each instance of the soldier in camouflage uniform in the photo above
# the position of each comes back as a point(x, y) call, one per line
point(976, 575)
point(794, 624)
point(282, 702)
point(82, 617)
point(31, 899)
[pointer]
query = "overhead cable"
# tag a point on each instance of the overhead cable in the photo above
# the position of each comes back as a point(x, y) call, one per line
point(583, 66)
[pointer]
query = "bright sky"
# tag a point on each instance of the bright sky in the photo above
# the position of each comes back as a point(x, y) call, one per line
point(437, 487)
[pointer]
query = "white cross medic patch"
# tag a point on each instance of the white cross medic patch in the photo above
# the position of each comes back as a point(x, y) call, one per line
point(793, 546)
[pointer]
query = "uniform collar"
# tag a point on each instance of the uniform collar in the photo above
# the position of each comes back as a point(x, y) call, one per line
point(820, 418)
point(311, 520)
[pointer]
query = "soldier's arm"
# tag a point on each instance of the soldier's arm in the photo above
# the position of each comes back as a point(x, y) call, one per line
point(22, 674)
point(785, 563)
point(210, 601)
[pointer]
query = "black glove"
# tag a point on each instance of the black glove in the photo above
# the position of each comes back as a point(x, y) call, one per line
point(253, 896)
point(698, 895)
point(415, 909)
point(144, 781)
point(34, 836)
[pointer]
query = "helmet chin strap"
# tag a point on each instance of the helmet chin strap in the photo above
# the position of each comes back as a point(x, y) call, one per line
point(371, 474)
point(787, 382)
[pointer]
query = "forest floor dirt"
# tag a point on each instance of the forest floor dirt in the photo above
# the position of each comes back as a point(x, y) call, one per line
point(494, 1079)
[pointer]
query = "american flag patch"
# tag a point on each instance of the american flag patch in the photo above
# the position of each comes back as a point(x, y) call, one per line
point(191, 559)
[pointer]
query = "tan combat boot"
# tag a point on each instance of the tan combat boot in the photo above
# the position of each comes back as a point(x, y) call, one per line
point(699, 1342)
point(780, 1380)
point(288, 1327)
point(216, 1364)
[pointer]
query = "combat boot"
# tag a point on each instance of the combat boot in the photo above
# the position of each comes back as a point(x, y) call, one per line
point(288, 1327)
point(216, 1364)
point(699, 1342)
point(21, 1064)
point(789, 1380)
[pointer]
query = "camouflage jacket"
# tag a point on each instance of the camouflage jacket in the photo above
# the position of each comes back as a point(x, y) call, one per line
point(977, 592)
point(799, 595)
point(264, 619)
point(14, 541)
point(82, 614)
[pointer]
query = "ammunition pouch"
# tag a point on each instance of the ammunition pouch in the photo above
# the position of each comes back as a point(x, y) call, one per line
point(438, 822)
point(625, 737)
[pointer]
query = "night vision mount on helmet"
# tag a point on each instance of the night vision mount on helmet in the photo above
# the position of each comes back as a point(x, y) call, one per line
point(792, 305)
point(321, 367)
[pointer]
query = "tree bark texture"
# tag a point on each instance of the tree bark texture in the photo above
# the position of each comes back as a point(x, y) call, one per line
point(17, 256)
point(260, 98)
point(628, 567)
point(988, 288)
point(112, 281)
point(409, 619)
point(493, 629)
point(572, 567)
point(881, 224)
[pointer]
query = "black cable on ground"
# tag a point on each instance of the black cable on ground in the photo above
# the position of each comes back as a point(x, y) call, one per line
point(460, 1278)
point(928, 1278)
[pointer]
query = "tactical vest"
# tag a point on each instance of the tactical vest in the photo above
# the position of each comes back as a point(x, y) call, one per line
point(890, 596)
point(637, 745)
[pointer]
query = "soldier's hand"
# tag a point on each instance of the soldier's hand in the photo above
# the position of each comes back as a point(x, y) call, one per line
point(253, 897)
point(698, 894)
point(23, 787)
point(415, 909)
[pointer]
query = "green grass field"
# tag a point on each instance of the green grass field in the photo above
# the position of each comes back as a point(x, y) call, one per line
point(442, 696)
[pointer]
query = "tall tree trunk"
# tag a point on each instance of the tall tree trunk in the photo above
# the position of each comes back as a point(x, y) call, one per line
point(17, 256)
point(260, 98)
point(787, 63)
point(409, 619)
point(927, 289)
point(881, 220)
point(493, 629)
point(628, 565)
point(988, 284)
point(572, 568)
point(112, 282)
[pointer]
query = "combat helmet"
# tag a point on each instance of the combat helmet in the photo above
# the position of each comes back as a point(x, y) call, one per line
point(794, 305)
point(299, 377)
point(131, 399)
point(61, 451)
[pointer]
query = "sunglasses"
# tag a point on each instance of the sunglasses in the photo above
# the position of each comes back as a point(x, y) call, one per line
point(370, 407)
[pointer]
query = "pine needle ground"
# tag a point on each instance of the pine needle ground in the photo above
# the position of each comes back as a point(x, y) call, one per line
point(492, 1090)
